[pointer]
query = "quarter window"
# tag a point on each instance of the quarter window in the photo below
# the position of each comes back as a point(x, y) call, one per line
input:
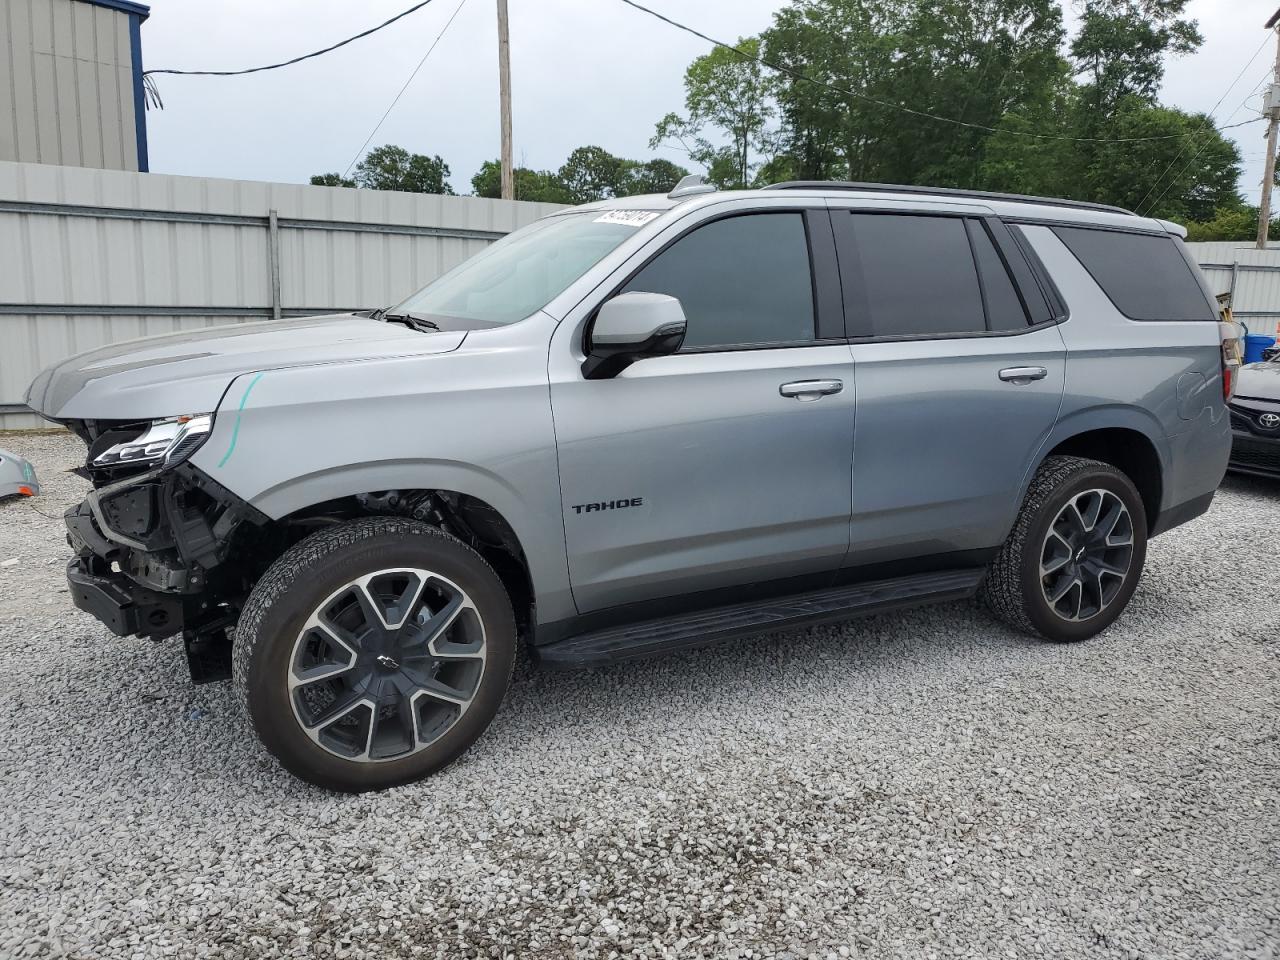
point(1145, 275)
point(743, 280)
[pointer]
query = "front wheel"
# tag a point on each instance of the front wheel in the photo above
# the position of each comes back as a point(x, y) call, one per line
point(1075, 555)
point(373, 653)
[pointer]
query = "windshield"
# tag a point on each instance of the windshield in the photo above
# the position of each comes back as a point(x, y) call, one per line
point(521, 273)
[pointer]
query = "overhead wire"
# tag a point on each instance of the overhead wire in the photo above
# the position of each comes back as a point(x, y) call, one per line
point(443, 30)
point(1203, 147)
point(1208, 118)
point(286, 63)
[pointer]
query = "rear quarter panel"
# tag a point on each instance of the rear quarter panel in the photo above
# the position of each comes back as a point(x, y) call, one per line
point(1161, 378)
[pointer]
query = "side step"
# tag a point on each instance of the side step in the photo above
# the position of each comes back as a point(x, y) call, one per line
point(688, 631)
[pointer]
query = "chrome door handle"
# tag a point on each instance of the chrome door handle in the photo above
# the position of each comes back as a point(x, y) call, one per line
point(1023, 374)
point(805, 390)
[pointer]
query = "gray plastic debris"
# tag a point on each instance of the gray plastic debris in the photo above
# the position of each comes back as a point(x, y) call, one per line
point(17, 476)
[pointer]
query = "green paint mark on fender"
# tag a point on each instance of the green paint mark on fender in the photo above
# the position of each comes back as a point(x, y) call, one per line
point(235, 428)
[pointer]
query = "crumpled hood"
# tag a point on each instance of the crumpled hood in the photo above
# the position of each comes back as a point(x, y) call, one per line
point(183, 373)
point(1259, 380)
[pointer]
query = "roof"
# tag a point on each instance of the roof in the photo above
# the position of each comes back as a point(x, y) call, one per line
point(887, 196)
point(124, 6)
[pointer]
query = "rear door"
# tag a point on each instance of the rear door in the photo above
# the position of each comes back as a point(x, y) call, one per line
point(960, 369)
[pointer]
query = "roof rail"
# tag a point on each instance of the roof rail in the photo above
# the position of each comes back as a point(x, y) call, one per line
point(943, 191)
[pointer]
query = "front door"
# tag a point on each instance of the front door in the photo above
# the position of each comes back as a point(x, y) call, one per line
point(728, 463)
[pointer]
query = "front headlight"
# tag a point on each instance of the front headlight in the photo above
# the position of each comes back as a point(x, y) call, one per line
point(165, 444)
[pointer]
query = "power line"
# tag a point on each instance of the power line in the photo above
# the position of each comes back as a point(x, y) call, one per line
point(286, 63)
point(1204, 123)
point(1203, 147)
point(373, 133)
point(797, 75)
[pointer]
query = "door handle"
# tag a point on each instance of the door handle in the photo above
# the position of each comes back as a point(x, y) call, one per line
point(806, 390)
point(1020, 375)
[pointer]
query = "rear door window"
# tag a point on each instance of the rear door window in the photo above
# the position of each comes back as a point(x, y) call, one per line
point(1144, 275)
point(910, 276)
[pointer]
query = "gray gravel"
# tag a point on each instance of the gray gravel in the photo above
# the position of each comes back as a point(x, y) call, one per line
point(918, 785)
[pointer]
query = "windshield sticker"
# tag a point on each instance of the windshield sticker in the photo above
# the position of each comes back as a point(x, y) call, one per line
point(632, 218)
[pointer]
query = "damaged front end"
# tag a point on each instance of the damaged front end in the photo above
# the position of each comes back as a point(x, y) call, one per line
point(157, 540)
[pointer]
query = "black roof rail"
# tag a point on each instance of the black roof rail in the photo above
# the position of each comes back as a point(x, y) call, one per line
point(942, 191)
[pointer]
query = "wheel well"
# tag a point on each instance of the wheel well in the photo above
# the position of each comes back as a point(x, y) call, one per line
point(468, 518)
point(1129, 452)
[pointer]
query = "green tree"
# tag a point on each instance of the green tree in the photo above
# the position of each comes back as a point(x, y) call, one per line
point(650, 176)
point(591, 173)
point(1231, 223)
point(541, 186)
point(729, 95)
point(1188, 178)
point(848, 61)
point(1122, 45)
point(331, 180)
point(395, 168)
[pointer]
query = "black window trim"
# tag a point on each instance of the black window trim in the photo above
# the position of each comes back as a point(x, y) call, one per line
point(845, 241)
point(1039, 272)
point(828, 307)
point(972, 225)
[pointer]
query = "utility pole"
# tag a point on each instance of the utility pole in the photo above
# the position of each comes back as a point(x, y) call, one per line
point(1272, 105)
point(504, 88)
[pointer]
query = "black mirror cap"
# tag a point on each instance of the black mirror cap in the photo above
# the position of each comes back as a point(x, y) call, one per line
point(607, 361)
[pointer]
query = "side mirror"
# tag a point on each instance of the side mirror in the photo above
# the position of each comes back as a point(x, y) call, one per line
point(631, 326)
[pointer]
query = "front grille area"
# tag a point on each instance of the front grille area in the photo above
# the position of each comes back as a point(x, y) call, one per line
point(1239, 421)
point(1262, 455)
point(1245, 414)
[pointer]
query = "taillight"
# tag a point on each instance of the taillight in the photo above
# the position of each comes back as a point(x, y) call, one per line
point(1232, 357)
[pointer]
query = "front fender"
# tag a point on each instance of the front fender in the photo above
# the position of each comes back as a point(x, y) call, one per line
point(474, 423)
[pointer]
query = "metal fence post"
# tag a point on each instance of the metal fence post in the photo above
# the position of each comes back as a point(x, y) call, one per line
point(273, 261)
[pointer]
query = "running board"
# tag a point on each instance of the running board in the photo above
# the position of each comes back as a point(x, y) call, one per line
point(689, 631)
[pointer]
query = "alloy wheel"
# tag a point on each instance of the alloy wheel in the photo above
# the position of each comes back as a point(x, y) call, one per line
point(1087, 555)
point(387, 664)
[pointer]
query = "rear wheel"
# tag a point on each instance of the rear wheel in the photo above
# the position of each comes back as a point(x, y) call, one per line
point(374, 653)
point(1075, 555)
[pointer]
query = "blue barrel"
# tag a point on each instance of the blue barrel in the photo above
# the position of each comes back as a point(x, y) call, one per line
point(1254, 344)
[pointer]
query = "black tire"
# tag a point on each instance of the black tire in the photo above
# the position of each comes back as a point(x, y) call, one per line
point(304, 579)
point(1013, 589)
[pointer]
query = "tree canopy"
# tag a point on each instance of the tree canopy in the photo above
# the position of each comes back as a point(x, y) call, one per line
point(1036, 111)
point(393, 168)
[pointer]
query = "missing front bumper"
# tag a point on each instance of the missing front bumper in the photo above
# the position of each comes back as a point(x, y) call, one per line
point(120, 604)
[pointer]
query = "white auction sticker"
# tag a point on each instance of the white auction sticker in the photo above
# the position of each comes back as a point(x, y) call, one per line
point(632, 218)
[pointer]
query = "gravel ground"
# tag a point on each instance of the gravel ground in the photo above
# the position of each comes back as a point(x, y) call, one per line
point(924, 784)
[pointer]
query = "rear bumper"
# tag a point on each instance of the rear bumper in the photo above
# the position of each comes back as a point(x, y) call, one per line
point(125, 608)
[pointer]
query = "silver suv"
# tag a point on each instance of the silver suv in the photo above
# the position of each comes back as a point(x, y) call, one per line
point(641, 426)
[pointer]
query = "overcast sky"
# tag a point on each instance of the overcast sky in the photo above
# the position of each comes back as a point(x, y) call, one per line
point(583, 72)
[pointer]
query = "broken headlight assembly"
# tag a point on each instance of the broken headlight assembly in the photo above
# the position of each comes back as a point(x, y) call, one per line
point(165, 443)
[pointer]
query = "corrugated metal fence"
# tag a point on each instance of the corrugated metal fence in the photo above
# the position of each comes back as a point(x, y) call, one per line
point(1251, 276)
point(89, 257)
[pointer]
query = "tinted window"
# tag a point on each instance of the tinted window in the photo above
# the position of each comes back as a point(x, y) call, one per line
point(917, 276)
point(742, 280)
point(1004, 308)
point(1145, 275)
